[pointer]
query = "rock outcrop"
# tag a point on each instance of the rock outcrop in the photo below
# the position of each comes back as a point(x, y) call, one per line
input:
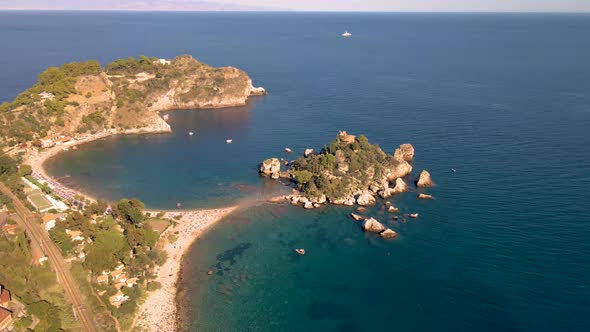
point(365, 199)
point(392, 209)
point(373, 226)
point(424, 179)
point(270, 167)
point(308, 152)
point(400, 186)
point(388, 234)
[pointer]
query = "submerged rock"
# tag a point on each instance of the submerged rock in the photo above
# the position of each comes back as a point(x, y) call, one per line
point(425, 196)
point(373, 226)
point(424, 179)
point(393, 209)
point(356, 217)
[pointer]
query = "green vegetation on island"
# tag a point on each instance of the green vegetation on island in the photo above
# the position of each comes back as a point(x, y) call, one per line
point(348, 167)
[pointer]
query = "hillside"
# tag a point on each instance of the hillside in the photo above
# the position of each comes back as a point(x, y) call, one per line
point(125, 96)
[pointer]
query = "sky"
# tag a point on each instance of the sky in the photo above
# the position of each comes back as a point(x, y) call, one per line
point(310, 5)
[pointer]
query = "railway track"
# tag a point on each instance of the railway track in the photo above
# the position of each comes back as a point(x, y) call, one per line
point(38, 235)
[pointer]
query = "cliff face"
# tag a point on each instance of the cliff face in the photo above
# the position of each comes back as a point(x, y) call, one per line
point(125, 97)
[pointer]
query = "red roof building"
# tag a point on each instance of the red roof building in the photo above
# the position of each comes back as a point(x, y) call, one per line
point(4, 296)
point(5, 318)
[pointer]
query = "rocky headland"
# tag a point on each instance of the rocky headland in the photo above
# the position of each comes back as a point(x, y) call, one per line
point(124, 97)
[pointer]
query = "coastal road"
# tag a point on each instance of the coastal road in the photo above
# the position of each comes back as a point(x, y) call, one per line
point(39, 236)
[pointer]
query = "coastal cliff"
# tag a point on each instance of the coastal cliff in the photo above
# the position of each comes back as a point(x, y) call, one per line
point(123, 97)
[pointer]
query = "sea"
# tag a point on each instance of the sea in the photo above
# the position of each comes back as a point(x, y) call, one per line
point(503, 99)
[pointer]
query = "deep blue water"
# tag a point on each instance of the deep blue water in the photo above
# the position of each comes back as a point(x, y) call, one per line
point(504, 99)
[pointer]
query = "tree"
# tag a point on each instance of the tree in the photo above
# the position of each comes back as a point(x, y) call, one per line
point(8, 166)
point(104, 253)
point(63, 240)
point(24, 170)
point(130, 210)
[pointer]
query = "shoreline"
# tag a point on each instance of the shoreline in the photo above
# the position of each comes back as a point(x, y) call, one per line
point(160, 310)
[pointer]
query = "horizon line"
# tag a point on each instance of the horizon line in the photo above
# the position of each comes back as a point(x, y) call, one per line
point(286, 11)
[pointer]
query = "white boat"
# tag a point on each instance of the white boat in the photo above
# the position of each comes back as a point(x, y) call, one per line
point(191, 133)
point(346, 34)
point(228, 141)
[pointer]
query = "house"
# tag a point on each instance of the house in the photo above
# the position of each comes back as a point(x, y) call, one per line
point(131, 282)
point(10, 229)
point(75, 235)
point(117, 299)
point(46, 95)
point(122, 277)
point(164, 61)
point(117, 273)
point(5, 319)
point(102, 278)
point(49, 220)
point(120, 285)
point(4, 296)
point(46, 142)
point(63, 140)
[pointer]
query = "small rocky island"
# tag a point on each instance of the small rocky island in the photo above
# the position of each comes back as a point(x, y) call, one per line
point(123, 97)
point(348, 171)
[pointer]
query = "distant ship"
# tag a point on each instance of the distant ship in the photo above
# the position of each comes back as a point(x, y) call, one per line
point(191, 133)
point(346, 34)
point(178, 205)
point(228, 141)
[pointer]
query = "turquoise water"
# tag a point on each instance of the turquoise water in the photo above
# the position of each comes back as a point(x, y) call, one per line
point(504, 99)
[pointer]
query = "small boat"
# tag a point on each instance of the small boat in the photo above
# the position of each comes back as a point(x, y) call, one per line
point(288, 150)
point(300, 251)
point(413, 215)
point(166, 117)
point(453, 170)
point(178, 205)
point(346, 34)
point(191, 133)
point(228, 141)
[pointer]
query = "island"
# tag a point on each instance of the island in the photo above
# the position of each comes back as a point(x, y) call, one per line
point(124, 97)
point(347, 171)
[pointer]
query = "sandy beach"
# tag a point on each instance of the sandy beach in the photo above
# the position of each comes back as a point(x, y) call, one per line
point(159, 311)
point(36, 162)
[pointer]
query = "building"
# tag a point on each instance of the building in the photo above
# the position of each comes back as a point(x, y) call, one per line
point(5, 319)
point(9, 229)
point(49, 220)
point(5, 314)
point(117, 299)
point(46, 142)
point(164, 61)
point(5, 297)
point(102, 278)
